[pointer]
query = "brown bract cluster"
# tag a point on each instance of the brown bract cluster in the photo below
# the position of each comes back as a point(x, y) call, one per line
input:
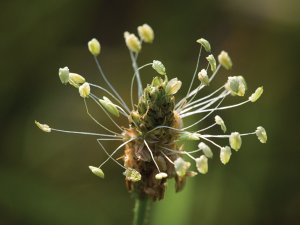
point(138, 157)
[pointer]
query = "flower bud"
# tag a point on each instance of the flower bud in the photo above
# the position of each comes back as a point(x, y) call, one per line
point(256, 95)
point(84, 90)
point(43, 127)
point(109, 106)
point(159, 67)
point(235, 141)
point(202, 76)
point(225, 60)
point(205, 149)
point(261, 134)
point(212, 62)
point(132, 42)
point(94, 47)
point(161, 175)
point(221, 123)
point(236, 85)
point(173, 86)
point(76, 79)
point(97, 171)
point(205, 44)
point(188, 136)
point(202, 164)
point(132, 175)
point(181, 166)
point(225, 154)
point(146, 33)
point(64, 75)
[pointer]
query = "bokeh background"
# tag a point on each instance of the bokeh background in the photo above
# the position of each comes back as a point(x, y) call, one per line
point(44, 178)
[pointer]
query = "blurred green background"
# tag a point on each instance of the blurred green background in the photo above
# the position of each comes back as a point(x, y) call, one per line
point(44, 178)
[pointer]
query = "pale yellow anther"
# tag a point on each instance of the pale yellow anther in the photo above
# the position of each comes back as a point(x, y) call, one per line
point(173, 86)
point(43, 127)
point(132, 42)
point(225, 154)
point(202, 164)
point(97, 171)
point(84, 90)
point(235, 141)
point(94, 47)
point(146, 33)
point(225, 60)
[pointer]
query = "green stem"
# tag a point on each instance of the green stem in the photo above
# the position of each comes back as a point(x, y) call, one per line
point(140, 211)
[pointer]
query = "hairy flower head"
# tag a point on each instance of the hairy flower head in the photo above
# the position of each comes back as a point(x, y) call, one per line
point(156, 124)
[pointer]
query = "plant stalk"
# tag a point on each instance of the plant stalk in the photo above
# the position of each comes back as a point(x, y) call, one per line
point(140, 211)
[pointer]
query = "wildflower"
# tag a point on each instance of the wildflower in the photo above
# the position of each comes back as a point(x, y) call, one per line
point(155, 125)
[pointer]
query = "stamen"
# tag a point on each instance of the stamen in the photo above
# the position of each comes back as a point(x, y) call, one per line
point(203, 98)
point(206, 128)
point(110, 156)
point(211, 141)
point(109, 84)
point(196, 69)
point(225, 136)
point(138, 78)
point(84, 133)
point(118, 148)
point(95, 98)
point(152, 155)
point(167, 158)
point(203, 103)
point(108, 92)
point(132, 80)
point(207, 115)
point(96, 121)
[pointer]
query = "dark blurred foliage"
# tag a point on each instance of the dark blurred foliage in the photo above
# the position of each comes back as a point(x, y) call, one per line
point(44, 177)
